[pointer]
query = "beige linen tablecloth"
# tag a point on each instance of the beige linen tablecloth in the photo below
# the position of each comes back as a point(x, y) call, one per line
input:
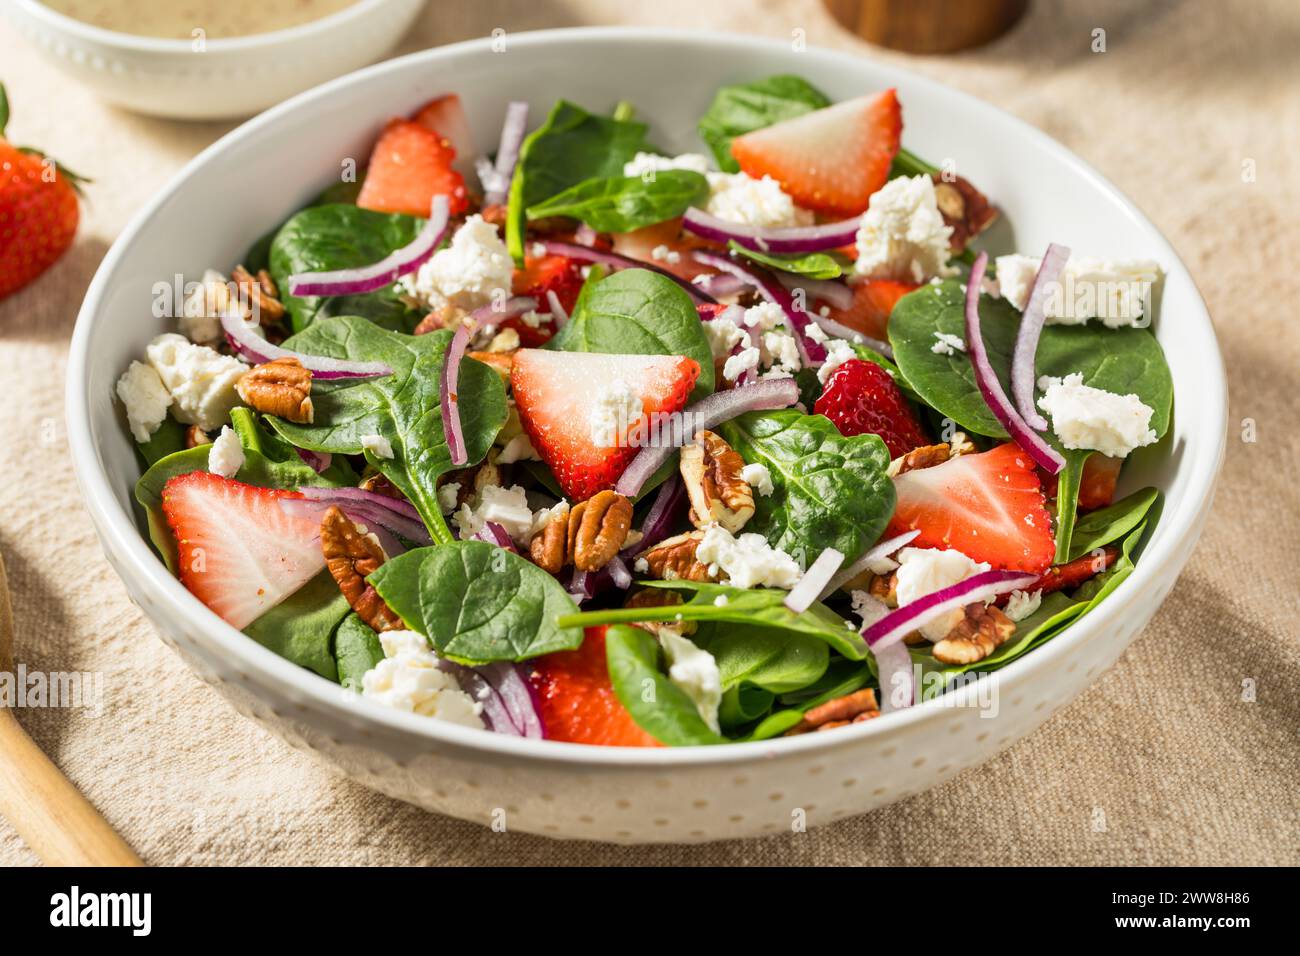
point(1164, 748)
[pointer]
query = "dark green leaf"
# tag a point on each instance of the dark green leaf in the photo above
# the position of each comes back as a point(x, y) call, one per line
point(777, 660)
point(356, 650)
point(625, 203)
point(299, 628)
point(658, 706)
point(810, 265)
point(167, 440)
point(742, 108)
point(1101, 527)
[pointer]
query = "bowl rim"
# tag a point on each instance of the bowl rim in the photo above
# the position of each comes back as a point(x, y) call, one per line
point(252, 42)
point(121, 534)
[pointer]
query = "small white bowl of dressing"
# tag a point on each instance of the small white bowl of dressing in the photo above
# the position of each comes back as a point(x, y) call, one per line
point(209, 59)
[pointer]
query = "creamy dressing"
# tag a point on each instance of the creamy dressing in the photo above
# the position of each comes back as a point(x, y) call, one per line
point(179, 19)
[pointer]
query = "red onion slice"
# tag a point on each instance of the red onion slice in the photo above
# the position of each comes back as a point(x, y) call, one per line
point(493, 533)
point(255, 349)
point(1031, 327)
point(585, 235)
point(835, 294)
point(882, 550)
point(398, 505)
point(447, 397)
point(616, 261)
point(1044, 455)
point(490, 314)
point(619, 573)
point(707, 414)
point(496, 178)
point(895, 625)
point(813, 353)
point(558, 315)
point(817, 576)
point(383, 526)
point(508, 705)
point(318, 460)
point(660, 518)
point(372, 511)
point(384, 272)
point(719, 283)
point(894, 672)
point(832, 235)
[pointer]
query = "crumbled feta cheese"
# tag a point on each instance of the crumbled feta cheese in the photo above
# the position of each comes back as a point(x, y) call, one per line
point(507, 340)
point(1021, 604)
point(661, 253)
point(781, 350)
point(519, 448)
point(838, 352)
point(448, 495)
point(695, 672)
point(508, 507)
point(724, 335)
point(923, 571)
point(408, 678)
point(618, 407)
point(534, 319)
point(947, 344)
point(816, 333)
point(758, 477)
point(377, 445)
point(747, 561)
point(644, 163)
point(226, 455)
point(205, 303)
point(641, 566)
point(468, 273)
point(737, 197)
point(201, 380)
point(746, 360)
point(538, 250)
point(903, 235)
point(764, 317)
point(868, 607)
point(545, 516)
point(145, 398)
point(1087, 417)
point(1114, 291)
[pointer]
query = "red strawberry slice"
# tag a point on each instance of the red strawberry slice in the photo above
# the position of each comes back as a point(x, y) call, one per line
point(873, 301)
point(830, 160)
point(409, 165)
point(562, 399)
point(543, 274)
point(576, 700)
point(862, 399)
point(1096, 483)
point(988, 506)
point(446, 116)
point(239, 552)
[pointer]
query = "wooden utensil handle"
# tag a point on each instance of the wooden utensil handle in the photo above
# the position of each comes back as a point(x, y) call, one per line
point(48, 812)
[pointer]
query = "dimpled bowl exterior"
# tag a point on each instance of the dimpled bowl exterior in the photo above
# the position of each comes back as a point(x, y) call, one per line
point(281, 159)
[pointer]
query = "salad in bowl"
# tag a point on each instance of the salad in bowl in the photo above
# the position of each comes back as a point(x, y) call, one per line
point(583, 441)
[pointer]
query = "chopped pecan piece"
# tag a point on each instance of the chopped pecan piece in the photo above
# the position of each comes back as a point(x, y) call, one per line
point(597, 529)
point(351, 557)
point(281, 388)
point(963, 207)
point(496, 214)
point(923, 457)
point(260, 294)
point(196, 436)
point(851, 708)
point(711, 469)
point(674, 559)
point(382, 486)
point(978, 634)
point(549, 547)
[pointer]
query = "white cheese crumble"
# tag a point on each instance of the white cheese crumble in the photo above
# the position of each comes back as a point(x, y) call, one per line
point(947, 344)
point(923, 571)
point(1113, 290)
point(408, 678)
point(764, 317)
point(737, 197)
point(145, 398)
point(519, 448)
point(746, 360)
point(781, 351)
point(758, 477)
point(377, 445)
point(903, 235)
point(649, 163)
point(661, 253)
point(447, 496)
point(201, 380)
point(746, 561)
point(724, 335)
point(205, 303)
point(468, 273)
point(695, 672)
point(618, 407)
point(226, 455)
point(838, 351)
point(508, 507)
point(868, 607)
point(1087, 417)
point(1021, 604)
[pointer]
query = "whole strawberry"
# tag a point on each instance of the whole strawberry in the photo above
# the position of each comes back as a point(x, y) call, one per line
point(861, 398)
point(38, 211)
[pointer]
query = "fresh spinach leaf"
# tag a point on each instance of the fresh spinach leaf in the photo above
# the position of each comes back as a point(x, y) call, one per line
point(571, 146)
point(776, 660)
point(167, 440)
point(743, 704)
point(338, 236)
point(742, 108)
point(1099, 588)
point(624, 203)
point(810, 265)
point(907, 163)
point(299, 628)
point(638, 312)
point(658, 706)
point(829, 491)
point(477, 602)
point(356, 650)
point(402, 407)
point(843, 677)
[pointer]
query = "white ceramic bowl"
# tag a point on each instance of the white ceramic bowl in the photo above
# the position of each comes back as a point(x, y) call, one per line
point(230, 77)
point(279, 160)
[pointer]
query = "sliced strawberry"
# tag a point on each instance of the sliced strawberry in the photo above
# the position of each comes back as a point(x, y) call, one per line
point(988, 506)
point(668, 238)
point(1097, 483)
point(861, 399)
point(543, 274)
point(873, 302)
point(239, 552)
point(576, 700)
point(409, 165)
point(446, 116)
point(830, 160)
point(560, 394)
point(1071, 575)
point(709, 311)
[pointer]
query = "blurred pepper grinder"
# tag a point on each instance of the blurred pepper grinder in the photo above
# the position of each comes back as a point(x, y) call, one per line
point(928, 26)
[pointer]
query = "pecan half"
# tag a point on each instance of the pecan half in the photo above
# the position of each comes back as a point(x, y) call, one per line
point(674, 559)
point(963, 207)
point(550, 546)
point(711, 469)
point(851, 708)
point(923, 457)
point(281, 388)
point(597, 529)
point(351, 557)
point(260, 294)
point(380, 485)
point(659, 597)
point(196, 436)
point(978, 634)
